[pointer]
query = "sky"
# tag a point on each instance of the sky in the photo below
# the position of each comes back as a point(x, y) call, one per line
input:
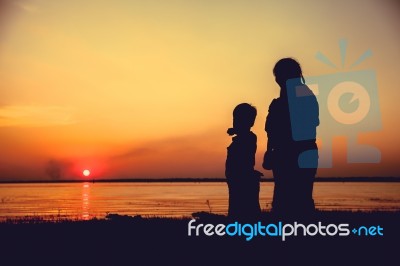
point(146, 89)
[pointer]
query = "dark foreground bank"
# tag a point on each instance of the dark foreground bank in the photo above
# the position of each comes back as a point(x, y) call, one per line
point(123, 240)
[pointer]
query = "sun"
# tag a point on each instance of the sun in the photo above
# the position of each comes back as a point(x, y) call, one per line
point(86, 172)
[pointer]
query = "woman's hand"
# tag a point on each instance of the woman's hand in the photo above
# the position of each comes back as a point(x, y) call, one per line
point(268, 161)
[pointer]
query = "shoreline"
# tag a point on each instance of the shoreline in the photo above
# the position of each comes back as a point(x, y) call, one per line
point(198, 180)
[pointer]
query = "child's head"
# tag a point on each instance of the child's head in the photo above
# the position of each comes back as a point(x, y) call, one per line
point(244, 116)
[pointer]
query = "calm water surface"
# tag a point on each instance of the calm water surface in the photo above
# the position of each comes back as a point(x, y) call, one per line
point(88, 200)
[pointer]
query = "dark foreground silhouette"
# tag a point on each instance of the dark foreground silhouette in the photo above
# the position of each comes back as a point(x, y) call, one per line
point(243, 181)
point(124, 240)
point(292, 153)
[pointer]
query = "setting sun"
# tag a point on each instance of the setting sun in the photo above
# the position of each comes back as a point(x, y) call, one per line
point(86, 172)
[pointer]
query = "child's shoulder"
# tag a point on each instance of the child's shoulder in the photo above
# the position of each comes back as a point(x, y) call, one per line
point(251, 136)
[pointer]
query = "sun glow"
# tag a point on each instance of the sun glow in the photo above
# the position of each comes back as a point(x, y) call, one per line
point(86, 172)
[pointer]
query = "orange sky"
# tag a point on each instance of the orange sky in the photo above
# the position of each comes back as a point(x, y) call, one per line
point(131, 89)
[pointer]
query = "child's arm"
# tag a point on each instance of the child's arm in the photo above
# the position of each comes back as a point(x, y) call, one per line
point(241, 157)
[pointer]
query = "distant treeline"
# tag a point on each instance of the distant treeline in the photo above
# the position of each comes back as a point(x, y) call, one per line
point(154, 180)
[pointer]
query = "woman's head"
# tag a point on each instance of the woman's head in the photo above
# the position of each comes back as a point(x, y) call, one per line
point(287, 68)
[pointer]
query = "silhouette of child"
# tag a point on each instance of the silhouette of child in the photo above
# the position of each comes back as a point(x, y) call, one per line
point(243, 181)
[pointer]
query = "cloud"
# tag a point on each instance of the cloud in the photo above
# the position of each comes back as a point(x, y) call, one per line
point(36, 116)
point(55, 169)
point(195, 155)
point(27, 6)
point(162, 146)
point(135, 152)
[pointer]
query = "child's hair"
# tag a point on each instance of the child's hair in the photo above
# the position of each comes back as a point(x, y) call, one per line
point(246, 113)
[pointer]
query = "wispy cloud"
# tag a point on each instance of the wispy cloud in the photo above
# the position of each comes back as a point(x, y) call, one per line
point(36, 116)
point(27, 6)
point(195, 145)
point(166, 145)
point(195, 155)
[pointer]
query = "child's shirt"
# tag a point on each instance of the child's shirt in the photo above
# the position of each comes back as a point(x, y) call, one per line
point(240, 159)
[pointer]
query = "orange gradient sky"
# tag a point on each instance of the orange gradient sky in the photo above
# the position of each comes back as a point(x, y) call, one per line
point(146, 88)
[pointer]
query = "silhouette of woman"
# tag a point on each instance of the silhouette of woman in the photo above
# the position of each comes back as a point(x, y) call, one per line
point(292, 153)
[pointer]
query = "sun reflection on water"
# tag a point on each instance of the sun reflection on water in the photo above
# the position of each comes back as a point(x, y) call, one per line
point(85, 201)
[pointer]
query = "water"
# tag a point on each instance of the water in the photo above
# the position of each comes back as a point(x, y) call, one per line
point(89, 200)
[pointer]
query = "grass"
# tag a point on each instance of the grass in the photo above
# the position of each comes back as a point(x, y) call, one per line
point(331, 215)
point(135, 240)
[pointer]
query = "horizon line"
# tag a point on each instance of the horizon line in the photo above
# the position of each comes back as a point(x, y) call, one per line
point(189, 180)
